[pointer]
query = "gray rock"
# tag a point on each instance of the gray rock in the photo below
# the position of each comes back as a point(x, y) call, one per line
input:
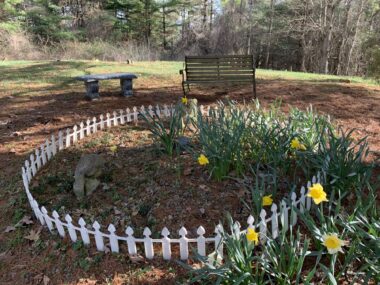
point(89, 168)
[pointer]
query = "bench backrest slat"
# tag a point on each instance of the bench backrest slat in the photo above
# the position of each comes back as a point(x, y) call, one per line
point(220, 68)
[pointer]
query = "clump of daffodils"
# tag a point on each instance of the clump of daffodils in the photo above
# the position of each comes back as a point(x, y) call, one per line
point(297, 145)
point(317, 194)
point(203, 160)
point(333, 243)
point(252, 236)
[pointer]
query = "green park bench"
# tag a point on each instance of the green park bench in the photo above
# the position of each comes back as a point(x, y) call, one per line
point(213, 70)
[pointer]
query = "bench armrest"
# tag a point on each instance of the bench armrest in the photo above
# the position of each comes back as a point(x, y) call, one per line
point(183, 73)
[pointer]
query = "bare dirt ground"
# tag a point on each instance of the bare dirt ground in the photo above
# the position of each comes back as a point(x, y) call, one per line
point(27, 121)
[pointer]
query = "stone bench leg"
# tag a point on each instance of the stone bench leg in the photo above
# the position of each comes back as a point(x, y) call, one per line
point(92, 90)
point(126, 87)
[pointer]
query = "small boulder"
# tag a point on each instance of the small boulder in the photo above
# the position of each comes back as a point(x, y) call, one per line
point(89, 168)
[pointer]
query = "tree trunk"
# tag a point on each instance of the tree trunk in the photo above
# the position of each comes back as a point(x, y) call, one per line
point(328, 21)
point(163, 27)
point(211, 13)
point(356, 28)
point(204, 20)
point(344, 37)
point(269, 38)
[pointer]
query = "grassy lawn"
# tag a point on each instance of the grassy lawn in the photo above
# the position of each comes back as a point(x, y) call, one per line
point(40, 74)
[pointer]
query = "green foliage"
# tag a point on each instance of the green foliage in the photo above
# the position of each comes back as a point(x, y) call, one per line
point(44, 22)
point(284, 258)
point(166, 135)
point(221, 138)
point(239, 262)
point(340, 159)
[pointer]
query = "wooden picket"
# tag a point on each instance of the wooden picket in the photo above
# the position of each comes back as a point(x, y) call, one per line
point(281, 215)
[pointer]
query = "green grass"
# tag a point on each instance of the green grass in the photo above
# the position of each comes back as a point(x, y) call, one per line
point(295, 75)
point(53, 72)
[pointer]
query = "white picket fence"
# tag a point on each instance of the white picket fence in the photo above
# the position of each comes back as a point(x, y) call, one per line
point(280, 216)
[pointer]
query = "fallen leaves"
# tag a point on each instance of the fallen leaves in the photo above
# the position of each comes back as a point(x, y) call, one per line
point(33, 235)
point(26, 220)
point(42, 279)
point(9, 229)
point(136, 258)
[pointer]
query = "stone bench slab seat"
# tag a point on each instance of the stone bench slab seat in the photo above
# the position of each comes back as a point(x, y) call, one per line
point(91, 82)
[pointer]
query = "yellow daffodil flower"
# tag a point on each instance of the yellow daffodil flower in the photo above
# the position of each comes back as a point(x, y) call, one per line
point(267, 200)
point(333, 243)
point(295, 144)
point(203, 160)
point(113, 148)
point(252, 236)
point(317, 194)
point(184, 100)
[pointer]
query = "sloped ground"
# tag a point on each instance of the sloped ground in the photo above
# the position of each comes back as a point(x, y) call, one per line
point(38, 99)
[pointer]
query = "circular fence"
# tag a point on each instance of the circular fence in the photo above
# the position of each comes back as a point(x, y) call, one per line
point(280, 217)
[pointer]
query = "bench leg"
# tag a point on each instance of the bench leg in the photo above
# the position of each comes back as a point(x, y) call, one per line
point(126, 87)
point(92, 90)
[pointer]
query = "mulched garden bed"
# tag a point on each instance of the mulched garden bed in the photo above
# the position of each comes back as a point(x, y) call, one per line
point(140, 187)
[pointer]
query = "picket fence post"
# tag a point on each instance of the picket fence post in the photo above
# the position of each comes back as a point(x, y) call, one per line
point(131, 241)
point(88, 127)
point(293, 197)
point(53, 146)
point(218, 240)
point(201, 241)
point(114, 242)
point(148, 244)
point(274, 221)
point(128, 114)
point(98, 236)
point(47, 219)
point(38, 158)
point(166, 248)
point(115, 122)
point(108, 121)
point(48, 149)
point(75, 134)
point(263, 226)
point(68, 139)
point(60, 140)
point(183, 244)
point(94, 125)
point(43, 154)
point(70, 228)
point(84, 232)
point(122, 118)
point(135, 114)
point(38, 212)
point(28, 171)
point(284, 215)
point(101, 117)
point(58, 224)
point(308, 199)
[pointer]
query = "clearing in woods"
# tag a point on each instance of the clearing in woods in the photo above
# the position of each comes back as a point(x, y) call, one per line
point(39, 98)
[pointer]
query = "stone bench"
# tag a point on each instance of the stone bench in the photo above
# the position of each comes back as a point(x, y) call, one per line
point(92, 83)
